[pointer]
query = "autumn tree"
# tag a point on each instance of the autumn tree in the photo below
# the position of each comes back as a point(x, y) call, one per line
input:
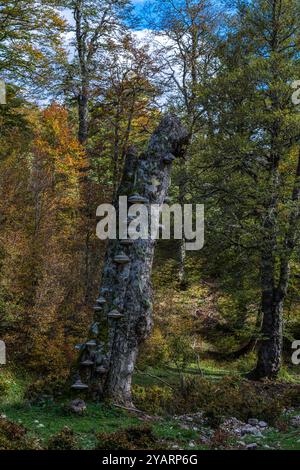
point(15, 138)
point(126, 112)
point(57, 164)
point(41, 269)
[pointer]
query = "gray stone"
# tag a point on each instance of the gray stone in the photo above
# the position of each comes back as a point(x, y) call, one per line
point(262, 424)
point(77, 406)
point(295, 421)
point(251, 446)
point(253, 421)
point(248, 429)
point(184, 426)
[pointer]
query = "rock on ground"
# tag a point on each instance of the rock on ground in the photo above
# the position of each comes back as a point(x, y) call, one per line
point(77, 406)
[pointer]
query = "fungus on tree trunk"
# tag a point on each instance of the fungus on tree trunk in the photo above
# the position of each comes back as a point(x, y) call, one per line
point(126, 278)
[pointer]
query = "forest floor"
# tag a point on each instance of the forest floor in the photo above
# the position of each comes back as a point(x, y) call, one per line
point(47, 418)
point(44, 421)
point(217, 408)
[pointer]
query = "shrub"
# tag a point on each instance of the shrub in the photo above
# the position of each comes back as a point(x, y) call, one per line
point(152, 399)
point(220, 439)
point(4, 385)
point(132, 438)
point(233, 396)
point(63, 440)
point(46, 388)
point(13, 437)
point(155, 351)
point(182, 352)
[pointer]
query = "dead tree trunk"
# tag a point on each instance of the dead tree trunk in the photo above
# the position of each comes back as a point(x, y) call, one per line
point(124, 319)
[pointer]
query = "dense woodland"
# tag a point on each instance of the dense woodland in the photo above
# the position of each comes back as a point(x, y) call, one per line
point(92, 87)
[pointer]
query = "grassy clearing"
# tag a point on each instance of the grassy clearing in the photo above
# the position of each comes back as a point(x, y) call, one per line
point(44, 420)
point(276, 440)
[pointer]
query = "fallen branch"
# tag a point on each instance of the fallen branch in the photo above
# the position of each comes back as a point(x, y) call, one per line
point(156, 378)
point(134, 410)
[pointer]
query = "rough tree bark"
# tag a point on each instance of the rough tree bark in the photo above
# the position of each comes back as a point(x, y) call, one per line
point(127, 288)
point(274, 293)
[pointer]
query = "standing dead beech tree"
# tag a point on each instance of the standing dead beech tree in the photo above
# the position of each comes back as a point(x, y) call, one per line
point(123, 312)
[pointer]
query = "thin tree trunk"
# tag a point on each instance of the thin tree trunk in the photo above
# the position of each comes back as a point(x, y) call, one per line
point(182, 256)
point(83, 117)
point(127, 288)
point(183, 188)
point(82, 97)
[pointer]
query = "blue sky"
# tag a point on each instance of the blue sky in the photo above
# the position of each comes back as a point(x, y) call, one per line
point(138, 4)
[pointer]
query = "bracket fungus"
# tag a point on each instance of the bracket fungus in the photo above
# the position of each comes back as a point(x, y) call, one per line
point(105, 290)
point(87, 363)
point(115, 314)
point(121, 258)
point(101, 370)
point(97, 308)
point(137, 199)
point(127, 241)
point(78, 385)
point(169, 158)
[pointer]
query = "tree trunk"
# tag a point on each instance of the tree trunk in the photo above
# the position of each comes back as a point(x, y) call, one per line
point(183, 189)
point(270, 347)
point(270, 350)
point(127, 288)
point(182, 257)
point(270, 344)
point(82, 118)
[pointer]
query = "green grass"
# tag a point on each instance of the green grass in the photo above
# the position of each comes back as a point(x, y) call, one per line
point(170, 431)
point(98, 418)
point(102, 418)
point(44, 420)
point(276, 440)
point(171, 374)
point(12, 385)
point(289, 440)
